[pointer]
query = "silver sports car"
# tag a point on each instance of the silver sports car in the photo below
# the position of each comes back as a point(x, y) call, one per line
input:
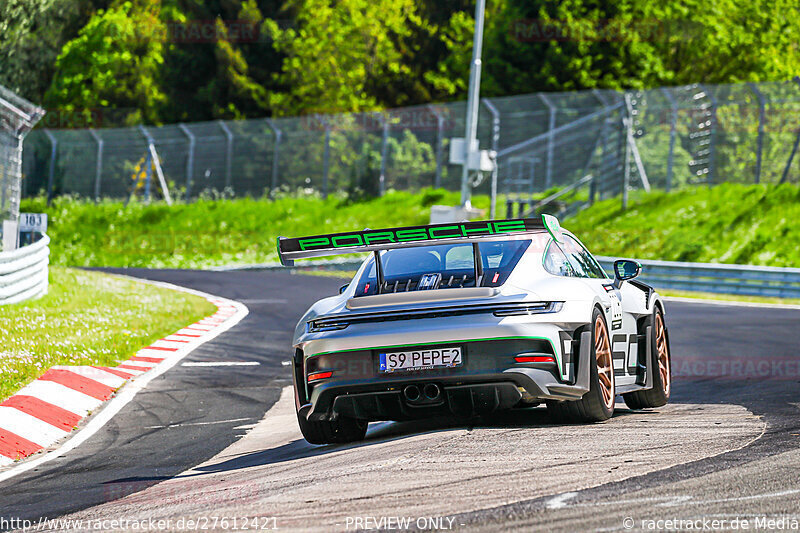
point(469, 318)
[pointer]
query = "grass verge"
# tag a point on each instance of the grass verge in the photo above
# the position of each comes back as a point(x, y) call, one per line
point(215, 232)
point(729, 223)
point(87, 318)
point(729, 297)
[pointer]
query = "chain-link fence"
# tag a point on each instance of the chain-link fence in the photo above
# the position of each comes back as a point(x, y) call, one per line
point(663, 138)
point(17, 117)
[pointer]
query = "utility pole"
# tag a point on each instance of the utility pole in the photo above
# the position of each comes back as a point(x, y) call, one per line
point(473, 99)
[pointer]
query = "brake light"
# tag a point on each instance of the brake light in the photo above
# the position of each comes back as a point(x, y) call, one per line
point(316, 376)
point(535, 359)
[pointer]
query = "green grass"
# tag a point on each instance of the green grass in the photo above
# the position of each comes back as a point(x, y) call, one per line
point(210, 233)
point(730, 223)
point(87, 318)
point(729, 297)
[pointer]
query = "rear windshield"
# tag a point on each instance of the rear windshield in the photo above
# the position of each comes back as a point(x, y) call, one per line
point(442, 267)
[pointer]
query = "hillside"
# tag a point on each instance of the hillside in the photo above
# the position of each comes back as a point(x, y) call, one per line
point(756, 224)
point(730, 223)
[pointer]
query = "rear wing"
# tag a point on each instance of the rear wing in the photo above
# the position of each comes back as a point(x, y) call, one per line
point(385, 239)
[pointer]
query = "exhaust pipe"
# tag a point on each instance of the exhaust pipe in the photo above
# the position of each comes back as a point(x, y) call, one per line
point(412, 393)
point(432, 391)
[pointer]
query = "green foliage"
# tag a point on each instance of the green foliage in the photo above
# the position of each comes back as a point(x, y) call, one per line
point(33, 32)
point(224, 76)
point(580, 44)
point(114, 61)
point(207, 232)
point(729, 223)
point(339, 53)
point(318, 56)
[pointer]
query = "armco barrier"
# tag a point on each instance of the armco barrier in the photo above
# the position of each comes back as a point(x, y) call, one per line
point(718, 278)
point(23, 272)
point(695, 277)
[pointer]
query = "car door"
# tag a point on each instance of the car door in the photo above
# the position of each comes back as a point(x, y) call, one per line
point(621, 325)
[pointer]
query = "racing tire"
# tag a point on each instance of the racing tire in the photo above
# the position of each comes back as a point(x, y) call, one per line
point(597, 405)
point(661, 363)
point(340, 431)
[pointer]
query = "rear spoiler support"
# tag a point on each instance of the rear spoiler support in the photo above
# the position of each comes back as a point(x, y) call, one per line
point(476, 254)
point(379, 270)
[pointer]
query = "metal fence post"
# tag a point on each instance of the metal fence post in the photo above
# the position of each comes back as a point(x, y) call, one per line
point(189, 159)
point(5, 176)
point(495, 141)
point(712, 135)
point(148, 162)
point(228, 152)
point(275, 152)
point(760, 140)
point(673, 124)
point(548, 176)
point(326, 156)
point(794, 148)
point(439, 138)
point(52, 169)
point(600, 98)
point(626, 171)
point(99, 163)
point(384, 150)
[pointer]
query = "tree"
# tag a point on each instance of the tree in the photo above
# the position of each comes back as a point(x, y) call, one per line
point(33, 32)
point(582, 44)
point(341, 54)
point(227, 75)
point(113, 63)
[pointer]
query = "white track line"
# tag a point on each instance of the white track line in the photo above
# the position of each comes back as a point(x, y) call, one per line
point(560, 501)
point(223, 363)
point(200, 423)
point(29, 427)
point(128, 392)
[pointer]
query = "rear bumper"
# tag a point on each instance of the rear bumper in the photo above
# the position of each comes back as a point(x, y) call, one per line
point(464, 392)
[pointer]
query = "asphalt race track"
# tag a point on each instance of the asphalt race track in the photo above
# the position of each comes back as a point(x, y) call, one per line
point(197, 443)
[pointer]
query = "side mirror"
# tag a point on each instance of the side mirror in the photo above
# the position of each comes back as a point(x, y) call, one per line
point(343, 288)
point(625, 269)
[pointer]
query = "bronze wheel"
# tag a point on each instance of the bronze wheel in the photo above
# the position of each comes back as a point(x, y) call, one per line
point(663, 354)
point(659, 364)
point(597, 404)
point(605, 365)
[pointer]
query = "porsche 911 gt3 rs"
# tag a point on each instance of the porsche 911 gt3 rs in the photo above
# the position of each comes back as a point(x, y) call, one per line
point(469, 318)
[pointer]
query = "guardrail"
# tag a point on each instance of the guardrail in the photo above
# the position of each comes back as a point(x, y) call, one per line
point(695, 277)
point(718, 278)
point(23, 272)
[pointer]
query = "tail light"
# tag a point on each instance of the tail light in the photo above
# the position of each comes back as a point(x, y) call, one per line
point(317, 376)
point(535, 359)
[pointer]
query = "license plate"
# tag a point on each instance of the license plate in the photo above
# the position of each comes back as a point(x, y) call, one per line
point(420, 359)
